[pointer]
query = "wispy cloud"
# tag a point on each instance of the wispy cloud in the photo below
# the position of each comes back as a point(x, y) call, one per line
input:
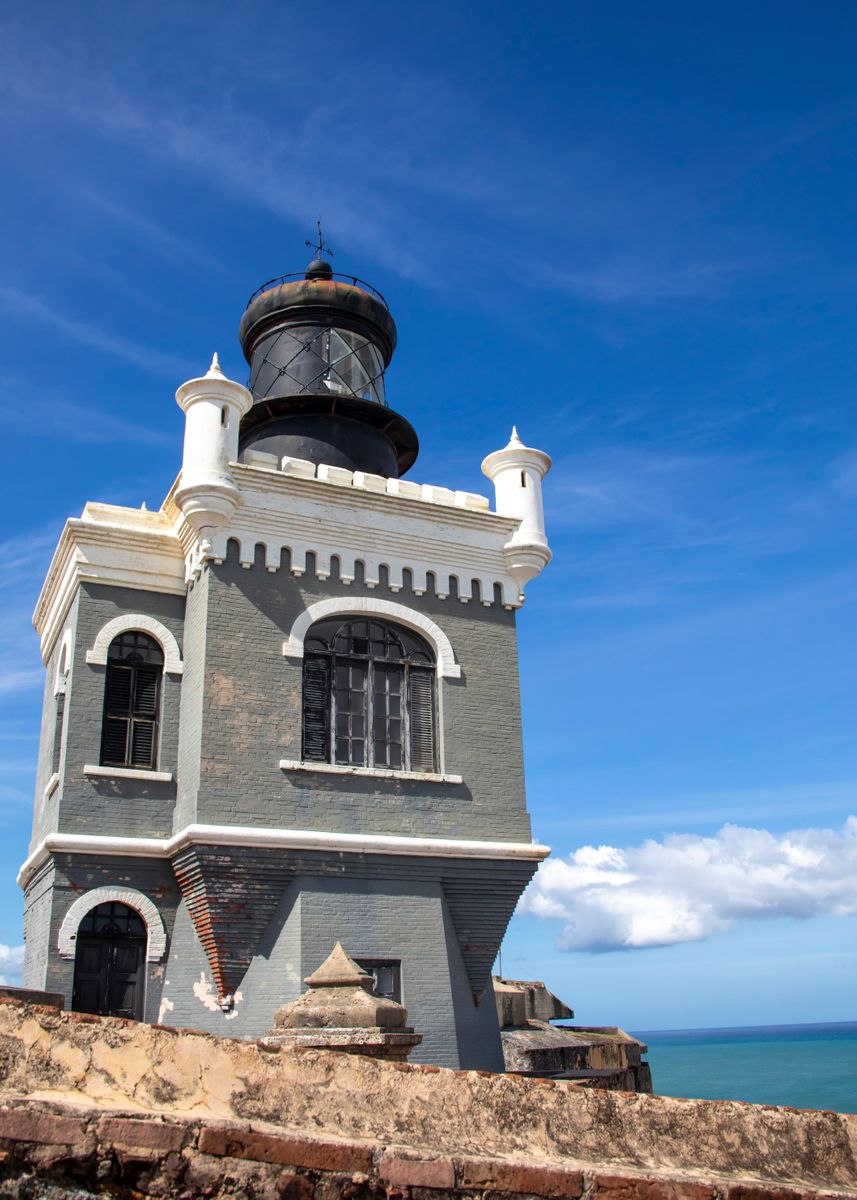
point(25, 557)
point(11, 964)
point(380, 163)
point(172, 246)
point(18, 304)
point(80, 423)
point(687, 888)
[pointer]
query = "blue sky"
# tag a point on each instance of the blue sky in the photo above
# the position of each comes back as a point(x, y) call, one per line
point(627, 229)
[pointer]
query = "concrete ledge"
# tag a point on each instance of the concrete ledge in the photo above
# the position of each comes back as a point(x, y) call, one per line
point(290, 764)
point(99, 772)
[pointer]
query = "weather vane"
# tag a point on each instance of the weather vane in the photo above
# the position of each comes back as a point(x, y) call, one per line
point(321, 246)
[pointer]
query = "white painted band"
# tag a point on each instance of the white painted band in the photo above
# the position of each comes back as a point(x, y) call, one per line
point(278, 839)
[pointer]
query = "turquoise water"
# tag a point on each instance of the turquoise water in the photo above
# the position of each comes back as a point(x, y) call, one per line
point(806, 1066)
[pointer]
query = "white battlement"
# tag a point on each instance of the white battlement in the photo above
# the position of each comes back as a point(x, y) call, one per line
point(341, 477)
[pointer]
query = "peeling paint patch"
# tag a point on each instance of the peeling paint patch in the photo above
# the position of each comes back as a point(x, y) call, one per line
point(205, 993)
point(166, 1006)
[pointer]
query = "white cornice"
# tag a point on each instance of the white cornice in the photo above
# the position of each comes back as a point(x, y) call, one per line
point(112, 545)
point(275, 839)
point(428, 531)
point(416, 527)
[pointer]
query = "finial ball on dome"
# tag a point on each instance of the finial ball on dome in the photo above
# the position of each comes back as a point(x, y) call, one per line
point(319, 268)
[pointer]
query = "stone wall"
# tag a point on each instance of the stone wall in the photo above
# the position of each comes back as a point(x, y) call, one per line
point(111, 1107)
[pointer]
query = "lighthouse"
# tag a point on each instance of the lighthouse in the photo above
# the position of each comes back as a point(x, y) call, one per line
point(283, 711)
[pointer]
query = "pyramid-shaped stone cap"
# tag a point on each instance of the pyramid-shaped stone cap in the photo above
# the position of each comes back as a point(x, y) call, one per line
point(340, 996)
point(339, 970)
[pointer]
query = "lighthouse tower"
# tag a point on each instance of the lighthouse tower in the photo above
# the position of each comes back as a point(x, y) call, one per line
point(283, 711)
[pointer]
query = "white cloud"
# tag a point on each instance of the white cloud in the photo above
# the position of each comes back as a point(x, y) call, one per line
point(11, 962)
point(687, 888)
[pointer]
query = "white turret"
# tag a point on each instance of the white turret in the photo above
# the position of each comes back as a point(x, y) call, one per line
point(213, 408)
point(517, 472)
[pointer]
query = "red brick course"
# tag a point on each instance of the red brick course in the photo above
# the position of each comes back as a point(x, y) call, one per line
point(32, 1125)
point(399, 1171)
point(632, 1187)
point(312, 1153)
point(148, 1135)
point(521, 1177)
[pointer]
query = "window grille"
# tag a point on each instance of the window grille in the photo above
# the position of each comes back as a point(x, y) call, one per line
point(387, 974)
point(112, 919)
point(368, 696)
point(132, 691)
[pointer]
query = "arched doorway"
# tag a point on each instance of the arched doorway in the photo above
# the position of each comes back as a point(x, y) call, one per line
point(110, 961)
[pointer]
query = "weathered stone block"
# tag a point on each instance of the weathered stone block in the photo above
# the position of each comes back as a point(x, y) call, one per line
point(521, 1177)
point(147, 1135)
point(630, 1187)
point(24, 1125)
point(400, 1171)
point(313, 1153)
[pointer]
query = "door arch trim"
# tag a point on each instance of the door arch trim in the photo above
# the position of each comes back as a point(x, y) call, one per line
point(157, 937)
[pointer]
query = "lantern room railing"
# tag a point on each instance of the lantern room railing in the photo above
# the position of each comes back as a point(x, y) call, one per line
point(336, 275)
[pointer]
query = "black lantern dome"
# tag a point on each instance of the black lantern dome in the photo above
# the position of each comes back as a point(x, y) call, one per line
point(318, 345)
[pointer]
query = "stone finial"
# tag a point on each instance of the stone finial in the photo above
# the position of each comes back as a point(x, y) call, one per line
point(340, 1011)
point(514, 440)
point(214, 370)
point(339, 970)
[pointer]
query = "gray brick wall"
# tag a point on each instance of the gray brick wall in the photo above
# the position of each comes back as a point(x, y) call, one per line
point(72, 877)
point(251, 719)
point(192, 710)
point(393, 918)
point(131, 808)
point(38, 902)
point(53, 738)
point(225, 726)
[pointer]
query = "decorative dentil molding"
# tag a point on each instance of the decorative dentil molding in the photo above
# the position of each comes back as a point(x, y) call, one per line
point(126, 622)
point(67, 939)
point(447, 667)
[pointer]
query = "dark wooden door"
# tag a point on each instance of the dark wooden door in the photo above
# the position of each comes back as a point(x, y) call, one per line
point(108, 976)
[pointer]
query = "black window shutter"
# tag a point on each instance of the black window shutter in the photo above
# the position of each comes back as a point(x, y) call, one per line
point(142, 744)
point(119, 685)
point(114, 743)
point(316, 709)
point(421, 706)
point(146, 691)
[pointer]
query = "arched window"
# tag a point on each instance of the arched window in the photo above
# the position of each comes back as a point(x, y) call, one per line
point(132, 693)
point(368, 698)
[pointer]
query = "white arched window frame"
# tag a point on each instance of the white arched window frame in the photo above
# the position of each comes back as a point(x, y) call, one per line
point(157, 936)
point(447, 667)
point(97, 656)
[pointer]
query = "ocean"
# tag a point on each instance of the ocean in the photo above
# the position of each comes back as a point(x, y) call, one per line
point(805, 1066)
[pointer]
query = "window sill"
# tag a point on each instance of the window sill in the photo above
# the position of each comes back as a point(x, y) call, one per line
point(51, 786)
point(288, 764)
point(128, 773)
